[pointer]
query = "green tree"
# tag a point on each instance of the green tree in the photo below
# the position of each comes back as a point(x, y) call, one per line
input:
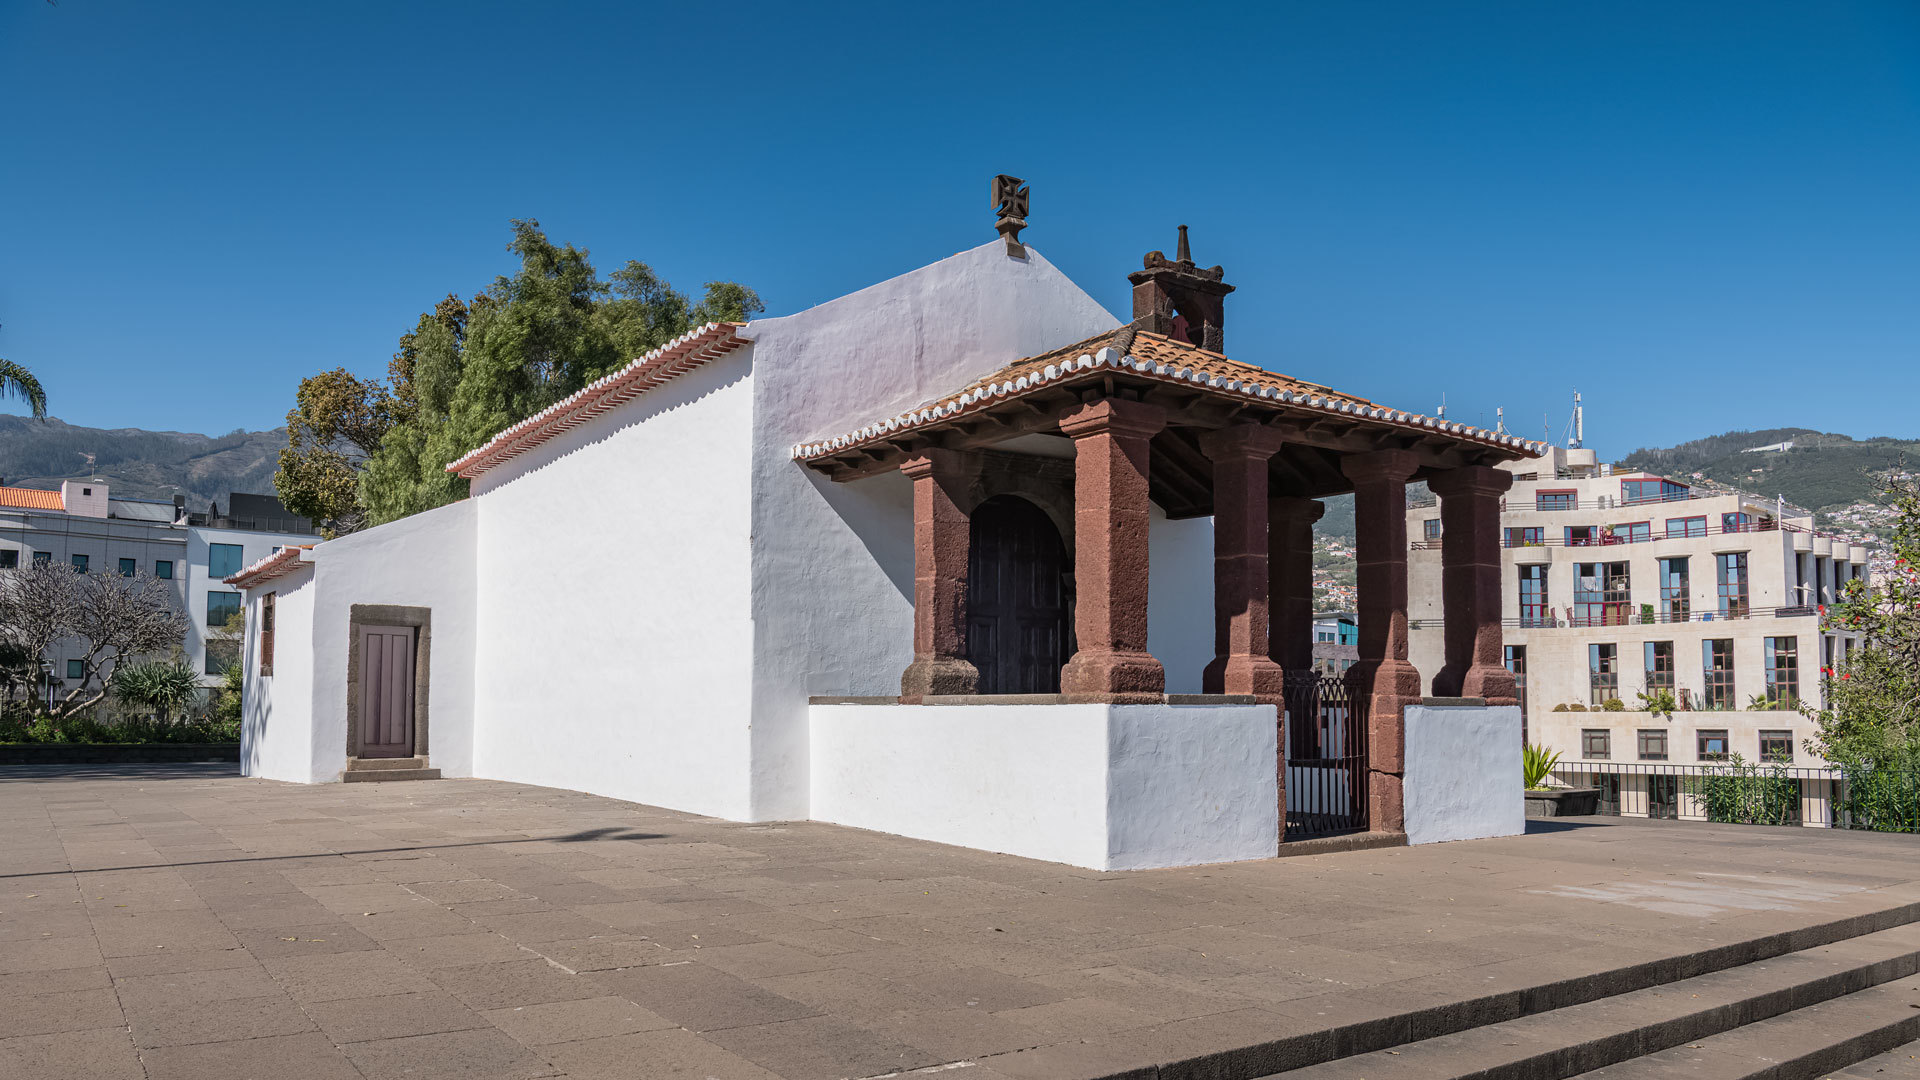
point(16, 381)
point(338, 420)
point(465, 372)
point(1872, 715)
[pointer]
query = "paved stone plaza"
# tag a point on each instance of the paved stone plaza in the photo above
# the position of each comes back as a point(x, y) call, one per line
point(175, 922)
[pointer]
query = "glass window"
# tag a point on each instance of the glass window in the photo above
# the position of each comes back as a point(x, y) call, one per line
point(1582, 535)
point(1602, 593)
point(1603, 673)
point(1653, 744)
point(1596, 744)
point(127, 567)
point(40, 557)
point(9, 559)
point(1323, 635)
point(266, 634)
point(223, 561)
point(1712, 744)
point(1686, 526)
point(1533, 597)
point(76, 669)
point(1516, 659)
point(1776, 746)
point(1732, 569)
point(1349, 632)
point(1783, 672)
point(1717, 663)
point(163, 568)
point(1431, 528)
point(80, 563)
point(1633, 532)
point(1659, 666)
point(1553, 500)
point(1735, 523)
point(1527, 536)
point(1639, 491)
point(221, 606)
point(1675, 590)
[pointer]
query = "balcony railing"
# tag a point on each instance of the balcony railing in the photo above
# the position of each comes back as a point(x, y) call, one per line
point(1651, 535)
point(1878, 800)
point(1564, 620)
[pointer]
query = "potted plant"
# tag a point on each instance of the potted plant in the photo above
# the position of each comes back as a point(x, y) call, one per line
point(1536, 765)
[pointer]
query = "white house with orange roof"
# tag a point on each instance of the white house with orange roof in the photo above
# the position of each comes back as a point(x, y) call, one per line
point(937, 558)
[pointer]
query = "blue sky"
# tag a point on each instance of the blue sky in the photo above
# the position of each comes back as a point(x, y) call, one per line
point(1703, 216)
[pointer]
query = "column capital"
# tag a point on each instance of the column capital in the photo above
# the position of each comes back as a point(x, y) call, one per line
point(1294, 508)
point(1380, 466)
point(934, 460)
point(1470, 480)
point(1241, 441)
point(1111, 415)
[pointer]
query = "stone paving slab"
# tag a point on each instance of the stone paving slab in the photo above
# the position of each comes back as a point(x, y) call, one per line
point(161, 921)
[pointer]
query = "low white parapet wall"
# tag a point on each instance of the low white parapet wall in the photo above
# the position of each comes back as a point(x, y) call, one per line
point(1463, 778)
point(1108, 787)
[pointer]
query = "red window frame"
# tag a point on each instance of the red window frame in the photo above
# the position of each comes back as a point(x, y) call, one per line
point(1572, 504)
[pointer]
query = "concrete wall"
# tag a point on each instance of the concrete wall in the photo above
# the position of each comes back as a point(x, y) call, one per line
point(832, 601)
point(254, 546)
point(613, 586)
point(276, 723)
point(1463, 778)
point(426, 560)
point(1101, 786)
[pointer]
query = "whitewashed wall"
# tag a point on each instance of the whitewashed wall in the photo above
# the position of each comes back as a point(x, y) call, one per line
point(276, 723)
point(426, 560)
point(1463, 778)
point(1110, 787)
point(613, 589)
point(1180, 598)
point(833, 563)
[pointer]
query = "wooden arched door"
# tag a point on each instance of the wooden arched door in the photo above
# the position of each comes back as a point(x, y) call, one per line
point(1016, 598)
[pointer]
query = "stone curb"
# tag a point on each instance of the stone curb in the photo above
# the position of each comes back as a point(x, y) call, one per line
point(114, 753)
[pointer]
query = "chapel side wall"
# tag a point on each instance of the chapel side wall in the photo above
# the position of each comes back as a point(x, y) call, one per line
point(1180, 598)
point(833, 563)
point(613, 591)
point(426, 560)
point(277, 710)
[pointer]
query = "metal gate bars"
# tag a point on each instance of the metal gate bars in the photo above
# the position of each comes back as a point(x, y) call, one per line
point(1325, 750)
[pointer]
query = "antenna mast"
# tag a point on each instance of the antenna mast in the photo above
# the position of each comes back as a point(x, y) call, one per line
point(1579, 422)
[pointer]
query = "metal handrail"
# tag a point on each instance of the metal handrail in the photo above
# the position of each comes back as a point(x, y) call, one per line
point(1650, 618)
point(1664, 534)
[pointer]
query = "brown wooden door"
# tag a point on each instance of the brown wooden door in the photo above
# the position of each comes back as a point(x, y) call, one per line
point(386, 691)
point(1016, 598)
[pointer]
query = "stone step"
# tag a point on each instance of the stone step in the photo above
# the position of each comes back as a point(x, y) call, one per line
point(1806, 1044)
point(1620, 1027)
point(374, 764)
point(1895, 1064)
point(372, 776)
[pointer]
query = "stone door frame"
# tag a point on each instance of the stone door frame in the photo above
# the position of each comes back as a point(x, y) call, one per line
point(361, 616)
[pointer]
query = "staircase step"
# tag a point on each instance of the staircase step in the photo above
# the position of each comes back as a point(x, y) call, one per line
point(371, 776)
point(1806, 1044)
point(1563, 1042)
point(373, 764)
point(1896, 1064)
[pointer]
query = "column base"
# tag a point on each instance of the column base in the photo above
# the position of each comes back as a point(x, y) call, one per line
point(1114, 678)
point(938, 675)
point(1495, 684)
point(1386, 802)
point(1256, 675)
point(1389, 686)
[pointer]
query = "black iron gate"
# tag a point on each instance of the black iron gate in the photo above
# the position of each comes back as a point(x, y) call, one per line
point(1326, 755)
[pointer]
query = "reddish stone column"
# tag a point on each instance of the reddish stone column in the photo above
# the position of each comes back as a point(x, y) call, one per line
point(1240, 575)
point(1290, 562)
point(1390, 682)
point(942, 535)
point(1470, 584)
point(1110, 507)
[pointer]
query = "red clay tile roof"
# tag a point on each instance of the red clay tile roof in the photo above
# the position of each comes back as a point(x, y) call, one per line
point(279, 563)
point(1160, 358)
point(31, 499)
point(676, 357)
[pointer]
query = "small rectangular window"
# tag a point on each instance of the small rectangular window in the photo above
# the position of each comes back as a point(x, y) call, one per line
point(76, 669)
point(1526, 536)
point(223, 561)
point(80, 562)
point(266, 634)
point(221, 606)
point(1736, 523)
point(1783, 672)
point(1716, 662)
point(127, 567)
point(1633, 532)
point(1712, 744)
point(9, 559)
point(1686, 526)
point(1653, 744)
point(1431, 528)
point(163, 569)
point(1596, 744)
point(1554, 500)
point(1776, 746)
point(41, 558)
point(1658, 660)
point(1603, 672)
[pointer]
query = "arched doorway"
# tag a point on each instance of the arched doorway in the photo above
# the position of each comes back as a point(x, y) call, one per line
point(1016, 598)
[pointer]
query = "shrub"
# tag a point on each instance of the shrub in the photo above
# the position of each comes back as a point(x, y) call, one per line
point(1660, 703)
point(1536, 763)
point(162, 688)
point(1560, 707)
point(1614, 704)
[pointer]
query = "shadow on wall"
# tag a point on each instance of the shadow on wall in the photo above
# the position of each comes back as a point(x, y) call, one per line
point(253, 729)
point(879, 511)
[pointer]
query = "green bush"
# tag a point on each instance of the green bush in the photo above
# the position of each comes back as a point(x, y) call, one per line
point(1748, 794)
point(85, 729)
point(1613, 704)
point(1536, 763)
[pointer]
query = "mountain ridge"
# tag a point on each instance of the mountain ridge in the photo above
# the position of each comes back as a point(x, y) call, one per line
point(138, 463)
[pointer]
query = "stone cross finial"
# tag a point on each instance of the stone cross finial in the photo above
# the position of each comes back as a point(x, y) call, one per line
point(1010, 203)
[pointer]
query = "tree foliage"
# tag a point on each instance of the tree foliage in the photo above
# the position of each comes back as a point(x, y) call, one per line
point(1872, 715)
point(363, 452)
point(113, 618)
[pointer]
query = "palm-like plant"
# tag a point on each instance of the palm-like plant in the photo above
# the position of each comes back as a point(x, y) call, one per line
point(163, 687)
point(1536, 762)
point(16, 381)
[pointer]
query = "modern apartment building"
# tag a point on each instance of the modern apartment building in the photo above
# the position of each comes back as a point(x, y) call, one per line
point(85, 526)
point(1622, 584)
